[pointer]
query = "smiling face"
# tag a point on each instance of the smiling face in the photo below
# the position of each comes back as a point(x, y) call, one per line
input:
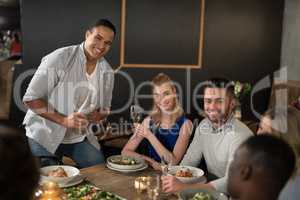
point(218, 105)
point(165, 97)
point(98, 41)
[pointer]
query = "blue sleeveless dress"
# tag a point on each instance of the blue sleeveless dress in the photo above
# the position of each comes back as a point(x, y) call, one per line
point(167, 137)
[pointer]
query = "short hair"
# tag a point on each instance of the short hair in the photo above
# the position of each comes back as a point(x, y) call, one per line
point(103, 22)
point(274, 156)
point(285, 123)
point(18, 168)
point(222, 83)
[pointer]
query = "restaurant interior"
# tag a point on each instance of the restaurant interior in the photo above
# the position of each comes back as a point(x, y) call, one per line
point(254, 44)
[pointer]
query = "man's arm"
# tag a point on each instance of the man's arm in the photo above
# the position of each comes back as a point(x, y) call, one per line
point(194, 153)
point(40, 88)
point(42, 108)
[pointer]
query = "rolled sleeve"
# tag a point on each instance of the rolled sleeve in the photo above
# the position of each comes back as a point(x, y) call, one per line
point(44, 79)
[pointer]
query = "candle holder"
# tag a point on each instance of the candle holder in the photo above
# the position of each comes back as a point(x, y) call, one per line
point(141, 183)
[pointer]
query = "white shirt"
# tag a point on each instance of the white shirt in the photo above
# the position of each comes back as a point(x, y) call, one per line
point(72, 135)
point(217, 146)
point(59, 80)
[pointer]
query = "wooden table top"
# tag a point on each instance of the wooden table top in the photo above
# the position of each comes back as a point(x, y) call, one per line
point(119, 183)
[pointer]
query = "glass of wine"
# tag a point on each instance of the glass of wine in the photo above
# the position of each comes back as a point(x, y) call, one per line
point(136, 114)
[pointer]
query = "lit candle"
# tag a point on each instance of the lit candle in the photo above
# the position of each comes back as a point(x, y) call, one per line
point(141, 183)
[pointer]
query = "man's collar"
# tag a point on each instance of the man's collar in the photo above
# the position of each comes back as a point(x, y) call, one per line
point(225, 127)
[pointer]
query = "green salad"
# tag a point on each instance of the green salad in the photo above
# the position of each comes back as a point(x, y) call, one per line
point(124, 160)
point(202, 196)
point(88, 192)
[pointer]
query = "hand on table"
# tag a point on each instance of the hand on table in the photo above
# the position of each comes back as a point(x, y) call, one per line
point(171, 184)
point(155, 165)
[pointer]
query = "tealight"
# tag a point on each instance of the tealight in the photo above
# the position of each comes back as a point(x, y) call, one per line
point(141, 183)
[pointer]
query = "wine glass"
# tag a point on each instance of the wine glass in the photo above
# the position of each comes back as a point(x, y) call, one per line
point(136, 113)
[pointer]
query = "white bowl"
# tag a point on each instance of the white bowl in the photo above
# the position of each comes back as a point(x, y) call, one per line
point(189, 194)
point(110, 161)
point(72, 173)
point(197, 174)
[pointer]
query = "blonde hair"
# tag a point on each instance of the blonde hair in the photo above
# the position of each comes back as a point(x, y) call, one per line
point(286, 125)
point(155, 114)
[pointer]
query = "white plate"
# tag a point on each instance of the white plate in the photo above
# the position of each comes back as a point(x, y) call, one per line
point(71, 171)
point(125, 167)
point(75, 181)
point(127, 170)
point(197, 174)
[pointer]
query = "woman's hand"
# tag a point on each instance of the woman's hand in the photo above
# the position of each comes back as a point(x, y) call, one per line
point(171, 184)
point(142, 131)
point(155, 165)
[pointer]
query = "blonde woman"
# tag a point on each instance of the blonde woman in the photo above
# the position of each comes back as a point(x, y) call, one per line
point(285, 123)
point(166, 131)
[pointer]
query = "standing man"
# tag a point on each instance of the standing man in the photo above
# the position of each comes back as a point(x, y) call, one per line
point(71, 88)
point(216, 138)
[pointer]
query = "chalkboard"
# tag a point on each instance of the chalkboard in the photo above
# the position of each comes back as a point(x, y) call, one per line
point(152, 29)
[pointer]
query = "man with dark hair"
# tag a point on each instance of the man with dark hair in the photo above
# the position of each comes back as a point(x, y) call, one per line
point(19, 173)
point(216, 138)
point(105, 23)
point(71, 88)
point(261, 167)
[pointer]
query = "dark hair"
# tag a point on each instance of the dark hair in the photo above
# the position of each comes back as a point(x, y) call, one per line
point(219, 82)
point(16, 36)
point(274, 156)
point(19, 173)
point(103, 22)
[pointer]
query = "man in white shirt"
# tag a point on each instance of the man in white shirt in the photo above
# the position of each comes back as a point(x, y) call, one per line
point(215, 139)
point(71, 88)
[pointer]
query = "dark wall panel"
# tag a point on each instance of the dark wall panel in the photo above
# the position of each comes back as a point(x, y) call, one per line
point(51, 24)
point(241, 41)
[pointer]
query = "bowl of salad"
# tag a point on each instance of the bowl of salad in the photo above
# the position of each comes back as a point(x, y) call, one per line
point(202, 194)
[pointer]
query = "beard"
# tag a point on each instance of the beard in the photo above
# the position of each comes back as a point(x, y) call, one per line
point(218, 117)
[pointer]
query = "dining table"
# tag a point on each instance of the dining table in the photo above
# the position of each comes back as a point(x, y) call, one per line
point(120, 183)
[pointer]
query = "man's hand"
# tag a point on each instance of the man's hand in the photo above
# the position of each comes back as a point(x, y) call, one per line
point(98, 115)
point(75, 120)
point(171, 184)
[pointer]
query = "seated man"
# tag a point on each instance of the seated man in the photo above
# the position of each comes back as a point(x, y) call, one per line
point(216, 138)
point(261, 167)
point(19, 173)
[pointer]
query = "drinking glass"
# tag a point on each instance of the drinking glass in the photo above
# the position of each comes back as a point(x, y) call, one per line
point(153, 188)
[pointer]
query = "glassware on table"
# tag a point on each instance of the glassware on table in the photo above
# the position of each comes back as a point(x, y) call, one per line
point(50, 191)
point(165, 165)
point(222, 196)
point(153, 188)
point(141, 183)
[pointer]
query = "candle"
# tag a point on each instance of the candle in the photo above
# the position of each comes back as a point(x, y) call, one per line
point(141, 183)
